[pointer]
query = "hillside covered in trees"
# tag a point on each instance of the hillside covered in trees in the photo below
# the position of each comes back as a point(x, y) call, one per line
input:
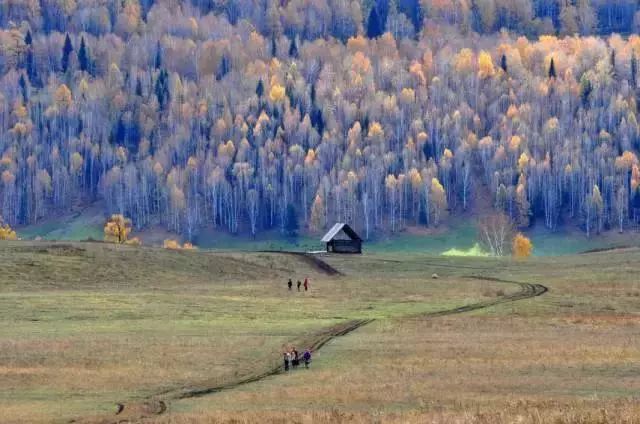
point(250, 115)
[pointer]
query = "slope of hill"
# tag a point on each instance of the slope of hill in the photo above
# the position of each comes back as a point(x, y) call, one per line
point(87, 325)
point(383, 114)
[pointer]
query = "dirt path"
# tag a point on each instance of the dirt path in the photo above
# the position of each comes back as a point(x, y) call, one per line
point(136, 411)
point(311, 260)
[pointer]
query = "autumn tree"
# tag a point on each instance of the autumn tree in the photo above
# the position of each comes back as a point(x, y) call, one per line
point(118, 229)
point(6, 232)
point(521, 246)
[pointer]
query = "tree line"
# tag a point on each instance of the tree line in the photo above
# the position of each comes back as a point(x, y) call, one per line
point(381, 114)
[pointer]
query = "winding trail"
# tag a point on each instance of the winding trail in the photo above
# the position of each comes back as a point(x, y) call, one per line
point(156, 405)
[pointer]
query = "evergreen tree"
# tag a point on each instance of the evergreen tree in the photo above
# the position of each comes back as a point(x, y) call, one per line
point(612, 60)
point(374, 25)
point(138, 87)
point(585, 90)
point(67, 49)
point(274, 47)
point(634, 70)
point(412, 9)
point(83, 56)
point(28, 39)
point(31, 66)
point(503, 63)
point(224, 68)
point(23, 88)
point(552, 69)
point(158, 59)
point(260, 89)
point(293, 48)
point(162, 88)
point(312, 94)
point(317, 121)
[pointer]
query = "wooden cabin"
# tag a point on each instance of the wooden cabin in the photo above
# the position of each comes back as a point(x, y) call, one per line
point(342, 239)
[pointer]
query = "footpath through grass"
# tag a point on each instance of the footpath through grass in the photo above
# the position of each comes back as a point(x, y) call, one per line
point(85, 325)
point(568, 356)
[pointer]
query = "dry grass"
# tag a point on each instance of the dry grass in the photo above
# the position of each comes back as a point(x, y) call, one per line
point(85, 325)
point(570, 356)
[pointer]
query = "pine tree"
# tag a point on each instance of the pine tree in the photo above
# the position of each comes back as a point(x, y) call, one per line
point(412, 9)
point(260, 89)
point(28, 39)
point(83, 56)
point(274, 47)
point(23, 88)
point(293, 48)
point(224, 68)
point(158, 59)
point(374, 26)
point(503, 63)
point(634, 70)
point(162, 88)
point(552, 69)
point(138, 87)
point(67, 49)
point(612, 60)
point(31, 67)
point(585, 90)
point(312, 94)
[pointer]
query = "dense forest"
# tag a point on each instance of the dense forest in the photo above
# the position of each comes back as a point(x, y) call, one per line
point(250, 115)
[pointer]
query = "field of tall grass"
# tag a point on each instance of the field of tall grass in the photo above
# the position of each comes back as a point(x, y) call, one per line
point(568, 356)
point(86, 325)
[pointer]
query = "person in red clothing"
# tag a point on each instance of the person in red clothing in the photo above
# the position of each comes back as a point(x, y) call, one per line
point(306, 284)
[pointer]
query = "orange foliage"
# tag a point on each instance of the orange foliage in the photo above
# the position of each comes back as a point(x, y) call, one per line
point(522, 246)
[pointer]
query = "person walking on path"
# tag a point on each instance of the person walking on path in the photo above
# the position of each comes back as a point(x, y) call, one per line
point(306, 284)
point(296, 358)
point(299, 284)
point(287, 359)
point(290, 284)
point(307, 358)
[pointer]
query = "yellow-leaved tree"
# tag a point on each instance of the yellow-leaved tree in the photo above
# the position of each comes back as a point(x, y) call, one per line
point(277, 93)
point(171, 244)
point(6, 233)
point(175, 245)
point(522, 246)
point(117, 230)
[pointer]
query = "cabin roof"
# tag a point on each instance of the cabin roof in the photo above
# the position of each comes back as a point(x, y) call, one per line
point(341, 226)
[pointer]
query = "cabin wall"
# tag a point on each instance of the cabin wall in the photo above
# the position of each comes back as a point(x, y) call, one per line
point(344, 246)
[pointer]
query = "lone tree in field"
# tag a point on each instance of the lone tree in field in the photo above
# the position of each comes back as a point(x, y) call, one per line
point(6, 233)
point(495, 232)
point(117, 230)
point(521, 246)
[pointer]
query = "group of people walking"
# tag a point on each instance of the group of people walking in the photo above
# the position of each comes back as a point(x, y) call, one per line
point(292, 358)
point(299, 284)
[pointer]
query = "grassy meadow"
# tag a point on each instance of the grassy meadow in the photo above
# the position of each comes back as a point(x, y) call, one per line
point(86, 325)
point(568, 356)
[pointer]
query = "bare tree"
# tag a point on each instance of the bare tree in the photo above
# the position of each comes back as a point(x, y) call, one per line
point(495, 233)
